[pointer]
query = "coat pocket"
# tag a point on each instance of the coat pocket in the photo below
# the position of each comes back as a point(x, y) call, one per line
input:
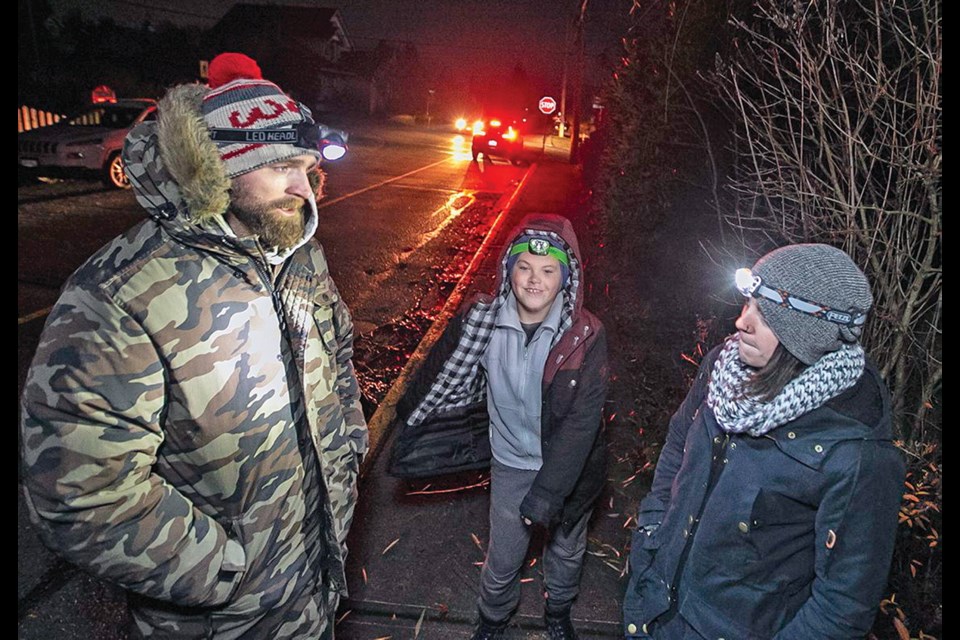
point(647, 596)
point(323, 315)
point(643, 549)
point(782, 535)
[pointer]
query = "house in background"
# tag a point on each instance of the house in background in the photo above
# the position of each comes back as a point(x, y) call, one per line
point(303, 49)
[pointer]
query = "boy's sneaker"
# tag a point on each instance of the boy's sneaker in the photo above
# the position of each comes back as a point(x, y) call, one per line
point(559, 627)
point(489, 629)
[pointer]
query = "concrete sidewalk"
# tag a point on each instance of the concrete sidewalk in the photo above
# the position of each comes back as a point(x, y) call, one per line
point(413, 569)
point(416, 547)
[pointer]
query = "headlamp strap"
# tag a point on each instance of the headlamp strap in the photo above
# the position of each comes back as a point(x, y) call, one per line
point(541, 247)
point(753, 286)
point(255, 136)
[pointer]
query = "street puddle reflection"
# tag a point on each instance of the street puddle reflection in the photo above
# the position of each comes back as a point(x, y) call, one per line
point(461, 148)
point(450, 210)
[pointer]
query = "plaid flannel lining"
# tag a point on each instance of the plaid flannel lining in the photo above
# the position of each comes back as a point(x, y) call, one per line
point(460, 382)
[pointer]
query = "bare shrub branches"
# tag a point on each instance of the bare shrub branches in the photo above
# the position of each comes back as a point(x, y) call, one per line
point(840, 141)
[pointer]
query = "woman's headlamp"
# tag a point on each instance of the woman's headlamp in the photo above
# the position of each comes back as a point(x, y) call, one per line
point(752, 286)
point(307, 135)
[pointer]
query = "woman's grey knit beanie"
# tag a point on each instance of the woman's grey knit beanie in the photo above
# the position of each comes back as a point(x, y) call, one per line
point(818, 273)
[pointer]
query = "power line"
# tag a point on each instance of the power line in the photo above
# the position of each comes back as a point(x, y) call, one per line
point(454, 47)
point(151, 7)
point(461, 47)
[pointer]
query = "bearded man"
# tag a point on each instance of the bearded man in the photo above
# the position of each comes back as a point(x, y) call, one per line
point(191, 422)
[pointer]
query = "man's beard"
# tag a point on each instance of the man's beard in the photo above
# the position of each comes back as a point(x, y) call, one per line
point(274, 228)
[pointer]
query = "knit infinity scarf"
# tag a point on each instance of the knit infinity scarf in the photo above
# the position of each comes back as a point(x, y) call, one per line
point(736, 412)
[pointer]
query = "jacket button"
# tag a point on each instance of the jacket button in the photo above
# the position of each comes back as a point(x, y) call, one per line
point(818, 448)
point(744, 527)
point(831, 538)
point(645, 628)
point(631, 628)
point(791, 435)
point(717, 440)
point(733, 445)
point(573, 383)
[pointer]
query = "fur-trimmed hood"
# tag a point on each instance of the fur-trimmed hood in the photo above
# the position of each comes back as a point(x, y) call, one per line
point(173, 165)
point(176, 171)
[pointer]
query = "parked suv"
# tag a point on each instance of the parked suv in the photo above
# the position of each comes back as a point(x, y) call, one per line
point(89, 141)
point(498, 136)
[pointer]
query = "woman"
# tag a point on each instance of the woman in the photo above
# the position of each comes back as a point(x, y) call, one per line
point(774, 504)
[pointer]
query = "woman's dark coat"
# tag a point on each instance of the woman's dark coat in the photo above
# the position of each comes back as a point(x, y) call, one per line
point(788, 535)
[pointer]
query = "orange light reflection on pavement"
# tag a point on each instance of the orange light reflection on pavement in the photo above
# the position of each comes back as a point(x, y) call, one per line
point(461, 148)
point(450, 210)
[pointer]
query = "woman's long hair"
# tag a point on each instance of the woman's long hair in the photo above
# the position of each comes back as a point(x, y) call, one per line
point(768, 381)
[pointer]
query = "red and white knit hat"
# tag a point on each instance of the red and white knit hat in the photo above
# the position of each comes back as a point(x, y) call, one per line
point(240, 98)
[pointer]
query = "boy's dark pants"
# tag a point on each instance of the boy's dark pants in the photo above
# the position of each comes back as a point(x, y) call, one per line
point(509, 539)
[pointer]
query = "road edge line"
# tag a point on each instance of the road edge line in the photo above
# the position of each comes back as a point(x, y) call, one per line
point(381, 419)
point(326, 203)
point(30, 317)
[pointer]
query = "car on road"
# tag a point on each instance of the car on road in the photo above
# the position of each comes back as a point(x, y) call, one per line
point(498, 136)
point(89, 141)
point(464, 125)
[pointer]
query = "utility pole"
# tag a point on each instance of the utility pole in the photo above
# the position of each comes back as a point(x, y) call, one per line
point(430, 93)
point(33, 39)
point(563, 81)
point(578, 85)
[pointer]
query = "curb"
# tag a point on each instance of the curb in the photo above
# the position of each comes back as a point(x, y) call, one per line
point(386, 411)
point(400, 616)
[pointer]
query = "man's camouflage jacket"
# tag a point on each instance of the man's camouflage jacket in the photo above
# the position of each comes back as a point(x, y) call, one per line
point(180, 385)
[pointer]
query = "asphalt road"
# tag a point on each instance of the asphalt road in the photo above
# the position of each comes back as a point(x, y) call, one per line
point(403, 209)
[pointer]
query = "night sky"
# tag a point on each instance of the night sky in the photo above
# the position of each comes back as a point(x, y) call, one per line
point(482, 38)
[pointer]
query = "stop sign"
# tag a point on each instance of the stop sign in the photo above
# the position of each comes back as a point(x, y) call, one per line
point(548, 105)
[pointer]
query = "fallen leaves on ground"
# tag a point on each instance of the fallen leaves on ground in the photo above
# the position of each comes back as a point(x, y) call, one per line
point(389, 546)
point(416, 629)
point(425, 492)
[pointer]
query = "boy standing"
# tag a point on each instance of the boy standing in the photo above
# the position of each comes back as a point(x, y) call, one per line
point(518, 381)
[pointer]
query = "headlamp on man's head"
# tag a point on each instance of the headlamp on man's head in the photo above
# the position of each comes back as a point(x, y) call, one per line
point(752, 286)
point(307, 135)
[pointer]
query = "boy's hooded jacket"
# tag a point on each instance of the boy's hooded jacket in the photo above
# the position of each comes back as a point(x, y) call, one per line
point(191, 423)
point(442, 420)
